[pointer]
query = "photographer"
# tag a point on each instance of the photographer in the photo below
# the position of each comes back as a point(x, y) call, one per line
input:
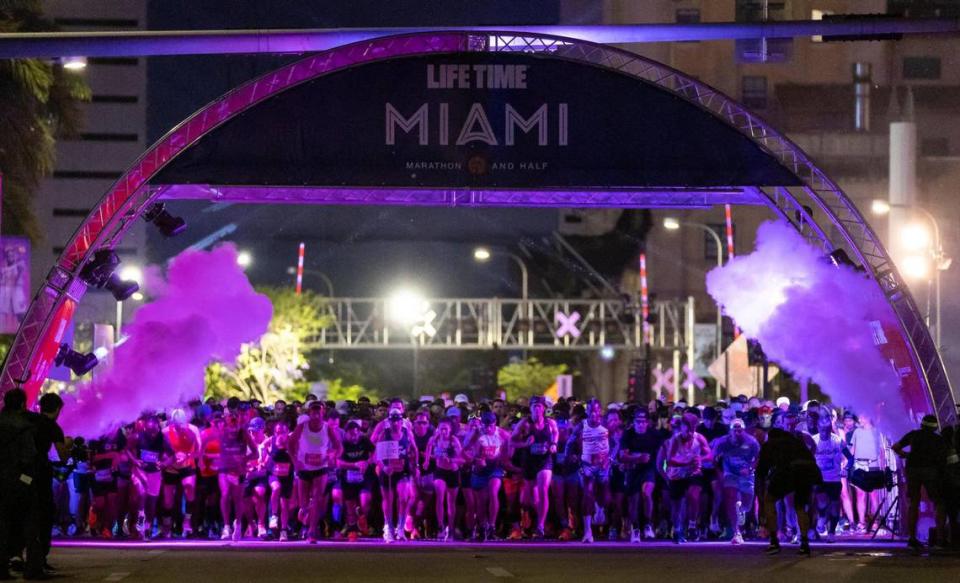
point(925, 466)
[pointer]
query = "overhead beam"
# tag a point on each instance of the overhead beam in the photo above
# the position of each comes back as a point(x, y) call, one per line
point(221, 42)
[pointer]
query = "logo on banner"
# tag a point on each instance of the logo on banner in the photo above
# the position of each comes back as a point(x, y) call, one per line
point(663, 381)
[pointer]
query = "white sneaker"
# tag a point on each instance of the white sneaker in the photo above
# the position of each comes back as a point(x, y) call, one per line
point(648, 532)
point(387, 534)
point(261, 532)
point(635, 535)
point(587, 537)
point(274, 522)
point(599, 516)
point(445, 535)
point(737, 539)
point(225, 533)
point(283, 536)
point(237, 531)
point(401, 536)
point(72, 530)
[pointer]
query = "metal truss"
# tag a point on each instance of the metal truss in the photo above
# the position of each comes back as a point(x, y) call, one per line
point(820, 207)
point(508, 324)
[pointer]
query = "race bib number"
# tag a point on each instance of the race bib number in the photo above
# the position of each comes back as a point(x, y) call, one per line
point(388, 451)
point(314, 459)
point(490, 452)
point(282, 470)
point(354, 477)
point(104, 475)
point(149, 457)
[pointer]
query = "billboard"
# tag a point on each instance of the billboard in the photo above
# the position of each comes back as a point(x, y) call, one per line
point(14, 282)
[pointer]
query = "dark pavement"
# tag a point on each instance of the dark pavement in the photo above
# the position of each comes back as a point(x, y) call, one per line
point(661, 562)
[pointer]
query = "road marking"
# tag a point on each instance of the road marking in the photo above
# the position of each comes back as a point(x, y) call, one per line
point(116, 576)
point(499, 572)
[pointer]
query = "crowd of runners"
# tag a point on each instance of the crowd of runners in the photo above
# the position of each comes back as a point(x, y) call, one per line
point(452, 469)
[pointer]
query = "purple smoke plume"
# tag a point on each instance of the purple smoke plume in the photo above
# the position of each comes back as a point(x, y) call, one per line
point(205, 309)
point(813, 319)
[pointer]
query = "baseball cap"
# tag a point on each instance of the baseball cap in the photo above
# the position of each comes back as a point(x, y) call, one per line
point(257, 424)
point(454, 412)
point(353, 424)
point(783, 401)
point(461, 398)
point(737, 424)
point(537, 400)
point(929, 421)
point(488, 418)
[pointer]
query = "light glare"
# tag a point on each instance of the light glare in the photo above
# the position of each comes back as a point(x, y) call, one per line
point(671, 224)
point(481, 254)
point(915, 237)
point(879, 206)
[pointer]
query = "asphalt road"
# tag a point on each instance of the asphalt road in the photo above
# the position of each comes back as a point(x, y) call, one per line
point(426, 562)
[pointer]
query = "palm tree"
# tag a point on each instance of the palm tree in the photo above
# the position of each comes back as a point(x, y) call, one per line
point(39, 102)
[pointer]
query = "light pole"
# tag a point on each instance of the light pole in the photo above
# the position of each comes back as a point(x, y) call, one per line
point(128, 273)
point(672, 224)
point(482, 255)
point(916, 238)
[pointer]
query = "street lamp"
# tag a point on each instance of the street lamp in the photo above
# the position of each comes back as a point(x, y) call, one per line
point(916, 237)
point(244, 259)
point(410, 309)
point(482, 255)
point(128, 273)
point(673, 224)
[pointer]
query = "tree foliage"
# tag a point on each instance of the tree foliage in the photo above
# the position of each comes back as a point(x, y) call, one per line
point(39, 102)
point(276, 366)
point(528, 378)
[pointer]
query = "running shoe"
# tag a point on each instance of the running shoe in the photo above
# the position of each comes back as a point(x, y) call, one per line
point(795, 539)
point(362, 525)
point(861, 529)
point(444, 535)
point(490, 534)
point(274, 522)
point(56, 531)
point(587, 537)
point(613, 535)
point(678, 537)
point(773, 549)
point(284, 536)
point(831, 538)
point(804, 548)
point(237, 531)
point(635, 535)
point(538, 534)
point(72, 530)
point(599, 516)
point(387, 534)
point(261, 532)
point(715, 526)
point(353, 536)
point(515, 534)
point(737, 539)
point(400, 536)
point(648, 532)
point(566, 534)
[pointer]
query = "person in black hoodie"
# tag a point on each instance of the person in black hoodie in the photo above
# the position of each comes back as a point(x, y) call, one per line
point(786, 466)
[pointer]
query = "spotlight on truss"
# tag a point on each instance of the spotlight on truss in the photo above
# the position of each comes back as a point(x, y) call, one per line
point(169, 225)
point(100, 273)
point(78, 362)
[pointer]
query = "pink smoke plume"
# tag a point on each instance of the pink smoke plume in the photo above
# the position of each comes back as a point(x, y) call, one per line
point(813, 319)
point(205, 309)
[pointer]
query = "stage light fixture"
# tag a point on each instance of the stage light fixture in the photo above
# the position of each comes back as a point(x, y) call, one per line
point(169, 225)
point(79, 363)
point(100, 273)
